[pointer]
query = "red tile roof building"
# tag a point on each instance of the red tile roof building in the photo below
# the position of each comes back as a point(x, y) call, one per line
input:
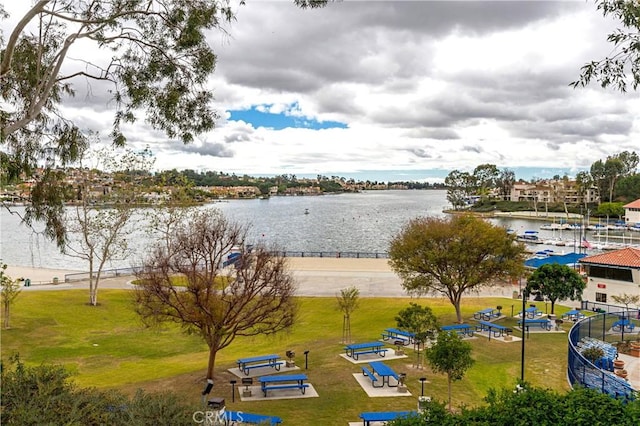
point(632, 212)
point(613, 273)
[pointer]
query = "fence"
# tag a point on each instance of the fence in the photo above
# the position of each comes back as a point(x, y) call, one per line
point(597, 328)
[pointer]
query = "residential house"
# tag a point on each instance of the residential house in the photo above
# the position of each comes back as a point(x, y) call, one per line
point(612, 273)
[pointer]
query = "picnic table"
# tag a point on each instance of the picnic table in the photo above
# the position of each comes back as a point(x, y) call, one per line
point(246, 364)
point(531, 312)
point(486, 314)
point(231, 417)
point(292, 381)
point(384, 416)
point(541, 322)
point(398, 335)
point(386, 372)
point(496, 329)
point(628, 325)
point(573, 315)
point(461, 329)
point(356, 349)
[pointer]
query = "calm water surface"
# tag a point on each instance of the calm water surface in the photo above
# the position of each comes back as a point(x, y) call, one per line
point(362, 222)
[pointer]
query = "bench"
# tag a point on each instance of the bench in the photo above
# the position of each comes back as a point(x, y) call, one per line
point(246, 364)
point(398, 340)
point(355, 350)
point(531, 312)
point(573, 315)
point(543, 323)
point(486, 314)
point(384, 416)
point(461, 329)
point(620, 324)
point(396, 334)
point(366, 372)
point(495, 329)
point(294, 381)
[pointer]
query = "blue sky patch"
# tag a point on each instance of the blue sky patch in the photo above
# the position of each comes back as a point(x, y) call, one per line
point(291, 117)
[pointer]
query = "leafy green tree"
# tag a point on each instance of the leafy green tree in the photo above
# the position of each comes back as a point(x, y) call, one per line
point(420, 321)
point(534, 406)
point(626, 299)
point(610, 209)
point(453, 256)
point(556, 282)
point(622, 66)
point(628, 188)
point(485, 177)
point(190, 279)
point(9, 289)
point(45, 394)
point(459, 187)
point(348, 301)
point(158, 70)
point(584, 182)
point(450, 355)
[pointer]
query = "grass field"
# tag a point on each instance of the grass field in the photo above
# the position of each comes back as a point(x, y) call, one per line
point(107, 347)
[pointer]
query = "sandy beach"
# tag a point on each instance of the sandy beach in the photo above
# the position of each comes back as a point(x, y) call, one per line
point(322, 277)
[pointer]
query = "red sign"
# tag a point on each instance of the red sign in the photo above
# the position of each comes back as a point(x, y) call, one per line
point(602, 286)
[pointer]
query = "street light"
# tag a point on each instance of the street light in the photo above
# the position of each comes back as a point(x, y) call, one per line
point(524, 299)
point(233, 390)
point(422, 380)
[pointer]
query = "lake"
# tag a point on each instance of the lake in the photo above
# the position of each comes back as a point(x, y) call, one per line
point(354, 222)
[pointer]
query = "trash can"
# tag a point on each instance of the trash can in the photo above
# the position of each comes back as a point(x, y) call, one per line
point(55, 280)
point(27, 282)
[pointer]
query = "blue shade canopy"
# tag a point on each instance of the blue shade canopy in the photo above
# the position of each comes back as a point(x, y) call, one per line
point(563, 259)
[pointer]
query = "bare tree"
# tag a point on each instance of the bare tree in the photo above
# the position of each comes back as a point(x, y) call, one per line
point(206, 278)
point(347, 303)
point(103, 217)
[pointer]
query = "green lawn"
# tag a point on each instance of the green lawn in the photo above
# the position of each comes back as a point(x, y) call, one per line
point(107, 347)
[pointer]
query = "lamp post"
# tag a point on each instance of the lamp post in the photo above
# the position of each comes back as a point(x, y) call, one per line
point(524, 298)
point(306, 359)
point(422, 380)
point(233, 390)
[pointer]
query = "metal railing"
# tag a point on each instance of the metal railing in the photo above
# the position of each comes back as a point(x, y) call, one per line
point(581, 371)
point(112, 273)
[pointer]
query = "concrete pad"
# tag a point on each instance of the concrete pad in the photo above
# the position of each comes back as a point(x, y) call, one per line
point(497, 339)
point(389, 355)
point(263, 371)
point(257, 395)
point(384, 391)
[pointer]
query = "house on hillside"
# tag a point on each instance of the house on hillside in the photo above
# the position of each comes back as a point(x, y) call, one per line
point(612, 273)
point(632, 212)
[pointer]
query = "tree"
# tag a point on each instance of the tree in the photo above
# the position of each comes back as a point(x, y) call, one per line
point(347, 303)
point(420, 321)
point(99, 225)
point(156, 65)
point(556, 282)
point(626, 300)
point(584, 182)
point(505, 182)
point(459, 187)
point(622, 66)
point(610, 209)
point(206, 278)
point(450, 355)
point(628, 187)
point(485, 177)
point(9, 289)
point(453, 256)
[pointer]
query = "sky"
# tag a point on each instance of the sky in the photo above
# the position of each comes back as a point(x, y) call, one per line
point(400, 90)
